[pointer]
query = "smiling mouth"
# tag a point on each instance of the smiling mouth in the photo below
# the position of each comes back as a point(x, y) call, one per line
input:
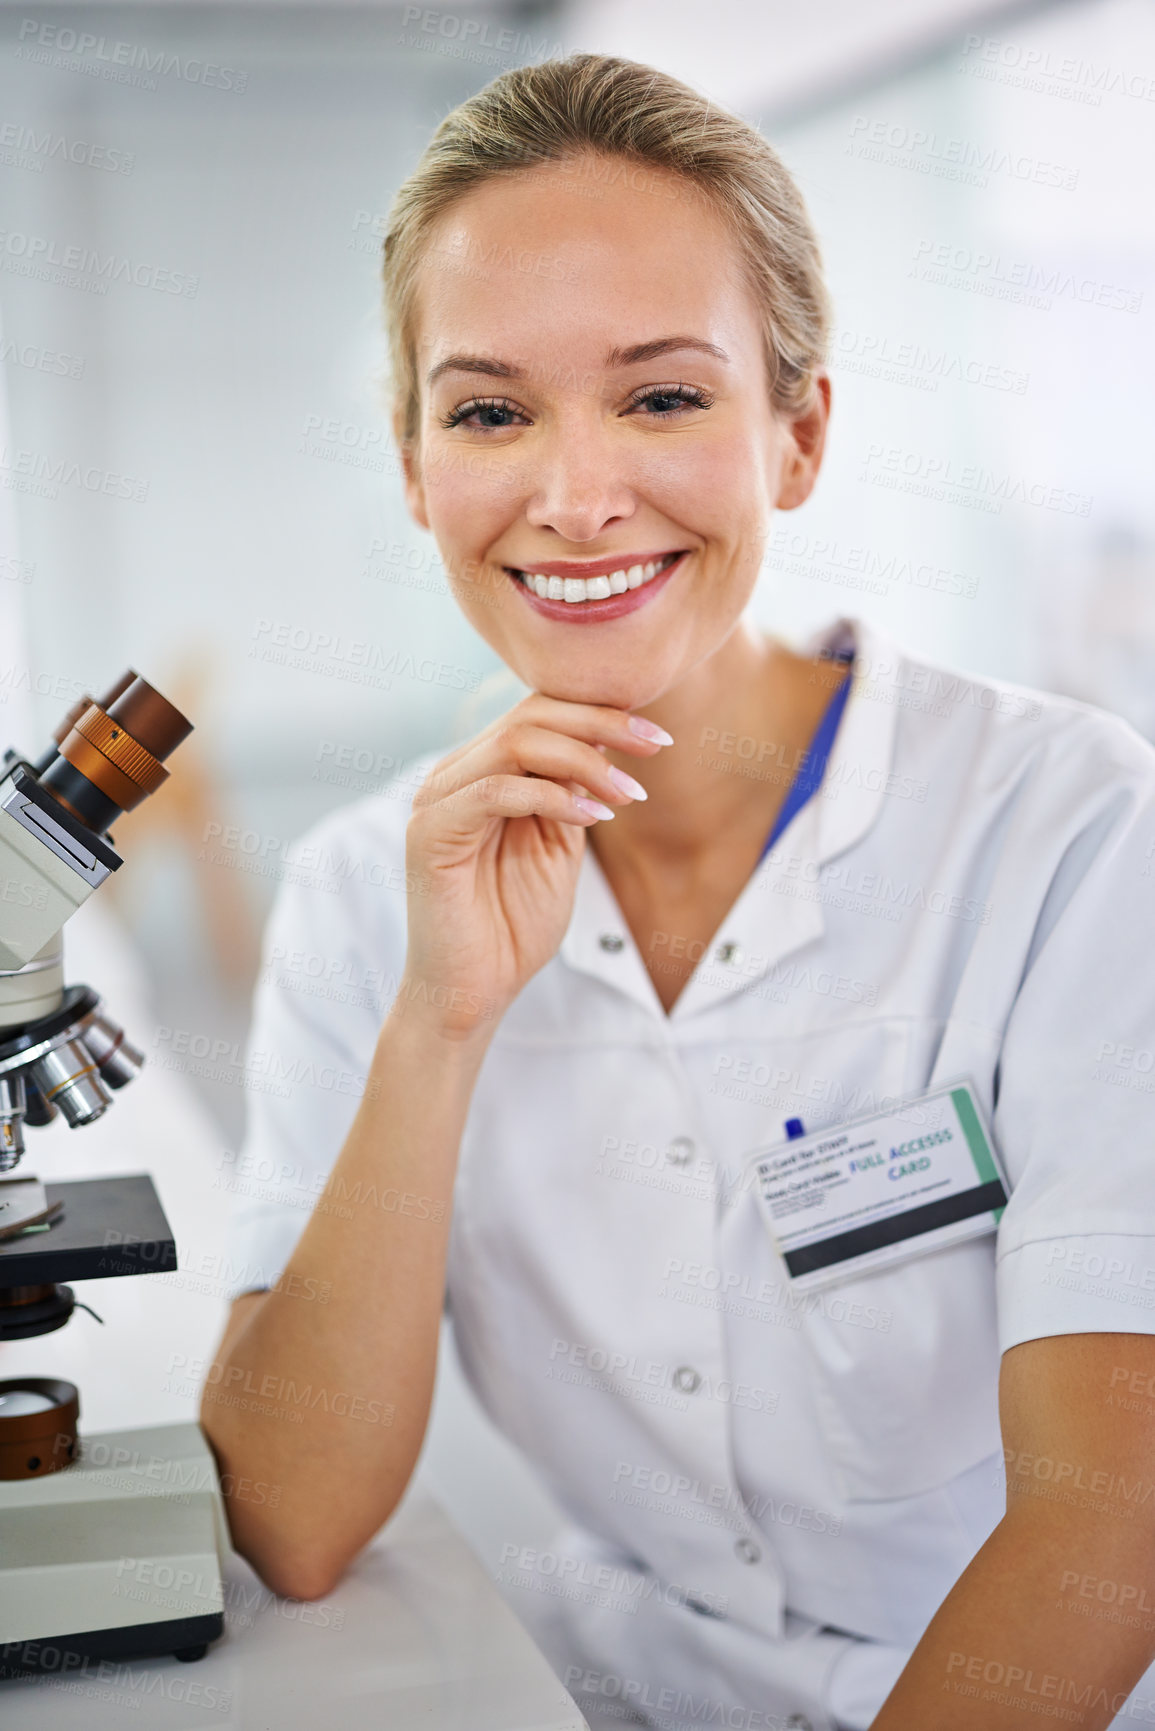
point(576, 590)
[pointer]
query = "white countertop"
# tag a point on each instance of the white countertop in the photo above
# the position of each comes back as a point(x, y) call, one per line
point(415, 1638)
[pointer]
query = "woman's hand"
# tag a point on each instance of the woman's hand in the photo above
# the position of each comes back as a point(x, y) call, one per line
point(493, 850)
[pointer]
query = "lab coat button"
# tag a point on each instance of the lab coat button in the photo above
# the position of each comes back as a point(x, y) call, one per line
point(612, 942)
point(747, 1550)
point(679, 1150)
point(686, 1379)
point(730, 953)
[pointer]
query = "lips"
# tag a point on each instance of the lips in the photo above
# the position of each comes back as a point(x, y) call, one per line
point(604, 591)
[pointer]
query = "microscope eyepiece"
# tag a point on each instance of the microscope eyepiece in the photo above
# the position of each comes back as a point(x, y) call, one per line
point(111, 751)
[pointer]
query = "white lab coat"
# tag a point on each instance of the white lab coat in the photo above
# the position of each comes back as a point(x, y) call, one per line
point(770, 1495)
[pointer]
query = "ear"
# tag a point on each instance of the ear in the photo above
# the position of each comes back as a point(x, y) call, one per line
point(412, 481)
point(805, 446)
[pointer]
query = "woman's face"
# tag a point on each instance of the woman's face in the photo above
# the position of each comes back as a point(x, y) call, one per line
point(594, 403)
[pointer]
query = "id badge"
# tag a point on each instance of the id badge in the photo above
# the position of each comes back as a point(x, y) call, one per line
point(882, 1188)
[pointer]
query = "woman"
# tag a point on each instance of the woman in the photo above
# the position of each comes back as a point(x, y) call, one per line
point(622, 941)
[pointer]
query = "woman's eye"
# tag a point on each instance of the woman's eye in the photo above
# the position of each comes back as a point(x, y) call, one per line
point(490, 411)
point(668, 399)
point(495, 414)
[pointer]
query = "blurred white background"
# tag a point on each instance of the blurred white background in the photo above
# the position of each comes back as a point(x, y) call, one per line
point(197, 453)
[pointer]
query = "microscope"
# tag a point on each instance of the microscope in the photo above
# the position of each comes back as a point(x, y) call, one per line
point(110, 1545)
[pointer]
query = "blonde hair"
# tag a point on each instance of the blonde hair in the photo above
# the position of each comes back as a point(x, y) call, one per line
point(595, 105)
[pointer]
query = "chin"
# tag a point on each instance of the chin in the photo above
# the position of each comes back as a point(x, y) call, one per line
point(623, 690)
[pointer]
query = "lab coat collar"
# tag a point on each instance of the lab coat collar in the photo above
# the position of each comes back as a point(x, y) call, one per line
point(779, 910)
point(854, 784)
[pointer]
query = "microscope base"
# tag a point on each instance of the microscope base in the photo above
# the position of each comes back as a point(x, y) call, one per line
point(115, 1556)
point(58, 1655)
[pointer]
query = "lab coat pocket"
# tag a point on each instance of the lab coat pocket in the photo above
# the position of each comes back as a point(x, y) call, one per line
point(902, 1361)
point(904, 1365)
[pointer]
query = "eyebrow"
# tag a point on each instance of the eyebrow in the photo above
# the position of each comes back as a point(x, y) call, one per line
point(616, 358)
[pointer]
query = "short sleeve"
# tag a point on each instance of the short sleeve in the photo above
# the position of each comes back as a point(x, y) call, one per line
point(1074, 1114)
point(331, 961)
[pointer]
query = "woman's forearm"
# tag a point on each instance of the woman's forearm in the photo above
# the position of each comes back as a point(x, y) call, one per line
point(1017, 1642)
point(326, 1404)
point(1025, 1632)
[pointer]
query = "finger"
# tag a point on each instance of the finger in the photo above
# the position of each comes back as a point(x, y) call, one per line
point(599, 723)
point(463, 815)
point(529, 750)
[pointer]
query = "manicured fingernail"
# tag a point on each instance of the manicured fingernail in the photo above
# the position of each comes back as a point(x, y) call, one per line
point(626, 783)
point(649, 730)
point(592, 807)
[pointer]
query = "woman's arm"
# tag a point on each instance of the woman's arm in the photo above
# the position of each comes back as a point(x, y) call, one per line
point(327, 1404)
point(1054, 1619)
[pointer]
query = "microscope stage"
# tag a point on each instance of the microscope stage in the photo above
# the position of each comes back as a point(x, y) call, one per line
point(109, 1226)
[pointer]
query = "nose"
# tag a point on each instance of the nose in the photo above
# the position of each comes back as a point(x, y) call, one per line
point(578, 486)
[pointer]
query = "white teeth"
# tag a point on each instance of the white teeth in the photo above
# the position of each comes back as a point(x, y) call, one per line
point(576, 589)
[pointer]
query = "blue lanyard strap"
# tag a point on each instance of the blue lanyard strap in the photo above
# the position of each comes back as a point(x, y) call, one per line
point(810, 771)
